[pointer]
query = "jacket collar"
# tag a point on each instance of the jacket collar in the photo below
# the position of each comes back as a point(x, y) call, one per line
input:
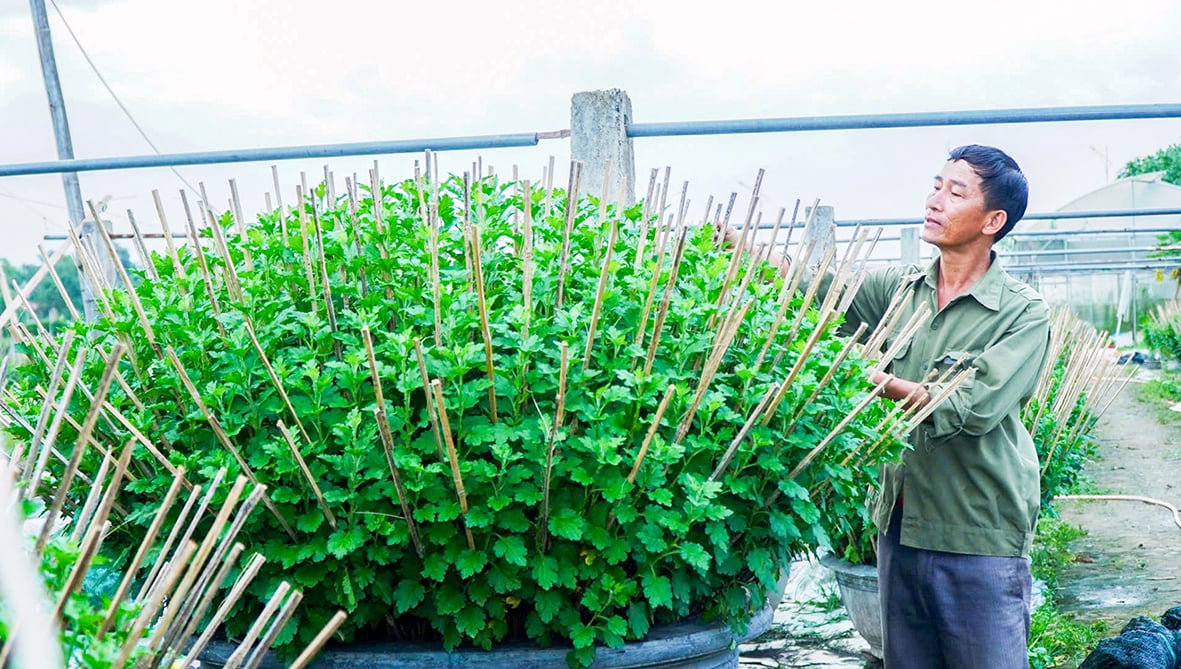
point(986, 291)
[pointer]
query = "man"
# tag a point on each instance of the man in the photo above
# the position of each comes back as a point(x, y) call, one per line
point(957, 517)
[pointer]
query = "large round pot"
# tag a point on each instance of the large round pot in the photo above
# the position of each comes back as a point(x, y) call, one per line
point(685, 645)
point(859, 592)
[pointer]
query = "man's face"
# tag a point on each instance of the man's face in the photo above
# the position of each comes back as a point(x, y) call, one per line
point(956, 212)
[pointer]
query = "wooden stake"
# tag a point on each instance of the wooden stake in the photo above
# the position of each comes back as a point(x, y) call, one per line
point(746, 428)
point(453, 457)
point(220, 433)
point(146, 543)
point(662, 312)
point(237, 657)
point(177, 269)
point(571, 214)
point(223, 610)
point(155, 601)
point(527, 262)
point(559, 417)
point(206, 276)
point(63, 486)
point(57, 281)
point(478, 271)
point(307, 474)
point(652, 428)
point(430, 407)
point(272, 633)
point(321, 638)
point(274, 378)
point(387, 439)
point(604, 275)
point(188, 529)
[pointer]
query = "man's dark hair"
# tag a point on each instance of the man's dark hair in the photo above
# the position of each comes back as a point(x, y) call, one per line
point(1001, 180)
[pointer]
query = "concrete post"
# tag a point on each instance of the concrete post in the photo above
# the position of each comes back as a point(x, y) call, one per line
point(910, 245)
point(598, 135)
point(822, 231)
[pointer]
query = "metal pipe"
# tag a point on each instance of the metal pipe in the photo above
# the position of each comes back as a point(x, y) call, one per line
point(57, 110)
point(911, 120)
point(1089, 267)
point(1067, 252)
point(1041, 216)
point(281, 153)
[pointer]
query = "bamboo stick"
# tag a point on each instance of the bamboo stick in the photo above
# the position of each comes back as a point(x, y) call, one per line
point(91, 504)
point(453, 457)
point(198, 562)
point(597, 309)
point(177, 268)
point(549, 188)
point(46, 411)
point(662, 311)
point(436, 280)
point(239, 655)
point(821, 325)
point(182, 527)
point(112, 491)
point(48, 264)
point(220, 433)
point(571, 214)
point(274, 377)
point(132, 296)
point(645, 216)
point(229, 270)
point(301, 195)
point(307, 474)
point(148, 539)
point(430, 407)
point(746, 428)
point(63, 486)
point(199, 252)
point(239, 587)
point(527, 260)
point(721, 345)
point(154, 602)
point(387, 439)
point(652, 428)
point(837, 430)
point(351, 187)
point(559, 417)
point(317, 643)
point(206, 601)
point(786, 291)
point(485, 331)
point(272, 633)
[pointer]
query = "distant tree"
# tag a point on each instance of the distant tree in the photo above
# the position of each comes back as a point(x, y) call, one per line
point(1167, 160)
point(46, 299)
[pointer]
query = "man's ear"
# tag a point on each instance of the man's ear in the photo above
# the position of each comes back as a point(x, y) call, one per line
point(995, 221)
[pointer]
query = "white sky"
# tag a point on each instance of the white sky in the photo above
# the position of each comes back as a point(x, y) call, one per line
point(228, 74)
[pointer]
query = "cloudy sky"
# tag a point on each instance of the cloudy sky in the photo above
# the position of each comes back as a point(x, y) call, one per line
point(229, 74)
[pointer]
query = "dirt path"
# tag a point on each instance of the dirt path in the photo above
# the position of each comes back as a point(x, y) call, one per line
point(1131, 556)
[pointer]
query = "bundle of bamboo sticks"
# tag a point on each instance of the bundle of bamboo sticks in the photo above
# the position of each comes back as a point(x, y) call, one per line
point(180, 593)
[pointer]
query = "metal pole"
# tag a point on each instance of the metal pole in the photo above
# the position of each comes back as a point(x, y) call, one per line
point(65, 151)
point(57, 109)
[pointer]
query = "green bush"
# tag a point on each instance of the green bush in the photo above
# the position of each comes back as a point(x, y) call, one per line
point(559, 531)
point(1162, 331)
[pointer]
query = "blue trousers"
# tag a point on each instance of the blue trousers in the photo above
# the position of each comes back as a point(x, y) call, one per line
point(951, 611)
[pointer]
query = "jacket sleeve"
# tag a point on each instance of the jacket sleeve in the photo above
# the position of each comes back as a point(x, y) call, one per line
point(1002, 379)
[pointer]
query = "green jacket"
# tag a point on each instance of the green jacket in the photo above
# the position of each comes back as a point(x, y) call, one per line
point(971, 483)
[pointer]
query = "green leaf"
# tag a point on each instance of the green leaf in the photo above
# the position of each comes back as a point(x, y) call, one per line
point(310, 522)
point(511, 548)
point(470, 620)
point(567, 523)
point(658, 590)
point(545, 572)
point(583, 636)
point(344, 541)
point(469, 563)
point(434, 567)
point(408, 595)
point(695, 555)
point(547, 603)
